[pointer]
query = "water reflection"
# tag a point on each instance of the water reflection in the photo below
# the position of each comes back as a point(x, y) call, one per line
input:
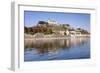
point(46, 49)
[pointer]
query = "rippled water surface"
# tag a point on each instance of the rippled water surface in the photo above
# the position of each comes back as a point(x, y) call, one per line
point(56, 49)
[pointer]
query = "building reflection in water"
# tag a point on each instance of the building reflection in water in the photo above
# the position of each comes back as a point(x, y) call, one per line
point(53, 46)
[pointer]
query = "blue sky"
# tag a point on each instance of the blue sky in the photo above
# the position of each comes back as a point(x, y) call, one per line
point(76, 20)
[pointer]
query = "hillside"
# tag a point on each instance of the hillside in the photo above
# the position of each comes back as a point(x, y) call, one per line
point(53, 28)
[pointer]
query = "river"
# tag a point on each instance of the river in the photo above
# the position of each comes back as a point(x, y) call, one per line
point(56, 49)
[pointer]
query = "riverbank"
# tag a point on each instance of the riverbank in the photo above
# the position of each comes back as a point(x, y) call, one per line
point(32, 37)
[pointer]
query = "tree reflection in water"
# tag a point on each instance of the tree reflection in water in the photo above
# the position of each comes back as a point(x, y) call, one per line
point(53, 46)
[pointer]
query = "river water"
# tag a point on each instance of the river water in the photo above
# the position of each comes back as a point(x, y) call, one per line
point(56, 49)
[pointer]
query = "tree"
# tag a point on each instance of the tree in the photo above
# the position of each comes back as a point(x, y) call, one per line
point(25, 29)
point(66, 27)
point(82, 31)
point(42, 22)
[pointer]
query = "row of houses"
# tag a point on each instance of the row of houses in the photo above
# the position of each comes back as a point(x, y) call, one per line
point(69, 33)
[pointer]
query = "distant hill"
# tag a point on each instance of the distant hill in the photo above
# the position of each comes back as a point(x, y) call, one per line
point(51, 27)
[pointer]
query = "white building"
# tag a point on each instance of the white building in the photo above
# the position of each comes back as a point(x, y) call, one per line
point(51, 22)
